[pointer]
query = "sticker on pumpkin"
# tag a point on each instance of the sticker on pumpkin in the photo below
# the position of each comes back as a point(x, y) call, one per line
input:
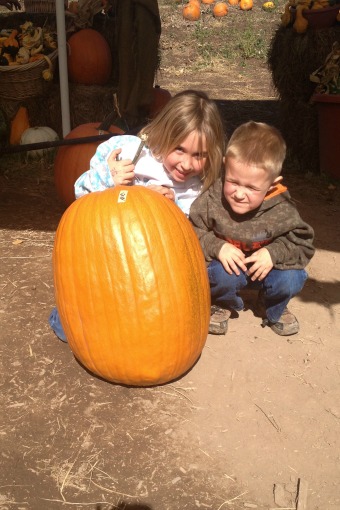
point(122, 196)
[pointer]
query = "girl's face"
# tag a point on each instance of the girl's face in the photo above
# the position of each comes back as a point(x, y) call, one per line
point(186, 160)
point(245, 186)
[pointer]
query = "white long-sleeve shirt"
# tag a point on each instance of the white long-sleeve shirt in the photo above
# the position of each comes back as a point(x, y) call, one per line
point(148, 171)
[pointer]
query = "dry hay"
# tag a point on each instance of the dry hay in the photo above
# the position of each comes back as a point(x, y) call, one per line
point(292, 58)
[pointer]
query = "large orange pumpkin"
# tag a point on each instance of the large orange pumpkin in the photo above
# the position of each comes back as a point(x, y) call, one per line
point(89, 59)
point(131, 286)
point(73, 160)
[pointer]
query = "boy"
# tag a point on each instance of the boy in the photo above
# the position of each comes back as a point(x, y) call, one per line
point(251, 232)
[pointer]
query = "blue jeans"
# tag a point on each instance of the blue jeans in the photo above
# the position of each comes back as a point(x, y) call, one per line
point(279, 286)
point(54, 321)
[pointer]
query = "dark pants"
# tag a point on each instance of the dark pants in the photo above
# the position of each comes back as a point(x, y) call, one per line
point(279, 286)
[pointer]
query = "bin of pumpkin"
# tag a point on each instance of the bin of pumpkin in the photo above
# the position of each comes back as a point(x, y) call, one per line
point(27, 60)
point(131, 286)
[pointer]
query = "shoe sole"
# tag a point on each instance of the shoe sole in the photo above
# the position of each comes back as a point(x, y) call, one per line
point(287, 330)
point(219, 328)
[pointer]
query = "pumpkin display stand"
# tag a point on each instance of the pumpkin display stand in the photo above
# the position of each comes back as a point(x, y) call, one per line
point(292, 59)
point(131, 286)
point(87, 103)
point(328, 108)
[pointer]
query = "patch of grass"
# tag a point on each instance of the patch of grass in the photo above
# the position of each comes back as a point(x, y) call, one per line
point(237, 38)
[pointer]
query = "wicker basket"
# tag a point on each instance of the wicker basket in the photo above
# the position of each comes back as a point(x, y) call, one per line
point(25, 80)
point(39, 5)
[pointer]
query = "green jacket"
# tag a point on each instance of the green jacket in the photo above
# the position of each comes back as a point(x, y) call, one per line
point(276, 224)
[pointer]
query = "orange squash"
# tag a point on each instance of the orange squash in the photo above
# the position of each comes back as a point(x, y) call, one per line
point(220, 9)
point(73, 160)
point(160, 97)
point(246, 5)
point(208, 1)
point(131, 286)
point(18, 125)
point(233, 2)
point(195, 2)
point(89, 59)
point(191, 12)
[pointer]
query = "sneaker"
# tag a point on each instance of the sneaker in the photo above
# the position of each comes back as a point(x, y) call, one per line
point(286, 325)
point(218, 320)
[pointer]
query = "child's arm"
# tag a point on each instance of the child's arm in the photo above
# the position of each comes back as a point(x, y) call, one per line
point(291, 250)
point(232, 258)
point(260, 264)
point(99, 177)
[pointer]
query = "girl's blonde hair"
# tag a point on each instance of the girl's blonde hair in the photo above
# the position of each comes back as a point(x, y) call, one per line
point(259, 144)
point(186, 112)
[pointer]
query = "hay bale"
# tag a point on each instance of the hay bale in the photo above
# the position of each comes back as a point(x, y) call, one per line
point(292, 58)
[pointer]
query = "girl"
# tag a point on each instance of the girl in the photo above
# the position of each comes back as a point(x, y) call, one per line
point(178, 154)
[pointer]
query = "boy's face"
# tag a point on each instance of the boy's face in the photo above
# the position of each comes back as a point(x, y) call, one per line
point(245, 185)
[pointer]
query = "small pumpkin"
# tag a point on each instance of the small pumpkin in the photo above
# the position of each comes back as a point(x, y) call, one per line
point(208, 1)
point(191, 12)
point(233, 2)
point(160, 97)
point(268, 6)
point(300, 24)
point(220, 9)
point(195, 2)
point(89, 59)
point(246, 5)
point(18, 125)
point(73, 160)
point(36, 135)
point(131, 286)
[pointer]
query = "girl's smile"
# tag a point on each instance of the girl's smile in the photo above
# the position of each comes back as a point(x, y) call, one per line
point(188, 159)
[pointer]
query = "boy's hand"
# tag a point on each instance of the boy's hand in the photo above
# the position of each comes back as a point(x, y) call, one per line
point(163, 190)
point(232, 258)
point(122, 171)
point(261, 264)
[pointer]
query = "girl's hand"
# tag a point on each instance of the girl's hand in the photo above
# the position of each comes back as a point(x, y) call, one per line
point(163, 190)
point(261, 264)
point(232, 259)
point(122, 171)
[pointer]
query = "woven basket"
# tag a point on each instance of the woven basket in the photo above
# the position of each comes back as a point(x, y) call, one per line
point(39, 5)
point(25, 80)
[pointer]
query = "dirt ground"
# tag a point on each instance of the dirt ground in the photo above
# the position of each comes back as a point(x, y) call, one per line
point(254, 424)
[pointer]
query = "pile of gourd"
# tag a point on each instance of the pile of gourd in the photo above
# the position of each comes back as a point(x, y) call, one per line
point(25, 45)
point(300, 24)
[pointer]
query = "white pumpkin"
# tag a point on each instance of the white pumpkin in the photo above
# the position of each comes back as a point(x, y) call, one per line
point(37, 135)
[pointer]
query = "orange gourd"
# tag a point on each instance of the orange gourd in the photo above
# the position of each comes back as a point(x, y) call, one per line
point(89, 59)
point(208, 1)
point(195, 2)
point(73, 160)
point(18, 125)
point(233, 2)
point(220, 9)
point(191, 12)
point(246, 5)
point(131, 286)
point(160, 97)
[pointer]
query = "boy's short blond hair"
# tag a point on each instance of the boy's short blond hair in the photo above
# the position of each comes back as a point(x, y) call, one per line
point(259, 144)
